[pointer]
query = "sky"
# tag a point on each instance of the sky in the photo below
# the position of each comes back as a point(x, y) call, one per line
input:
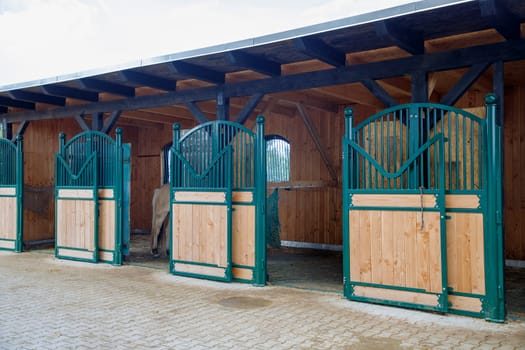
point(48, 38)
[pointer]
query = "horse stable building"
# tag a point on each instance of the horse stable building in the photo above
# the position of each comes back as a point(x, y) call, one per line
point(394, 136)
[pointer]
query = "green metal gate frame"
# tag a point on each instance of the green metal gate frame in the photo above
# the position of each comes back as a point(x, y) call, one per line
point(12, 176)
point(84, 163)
point(490, 195)
point(246, 175)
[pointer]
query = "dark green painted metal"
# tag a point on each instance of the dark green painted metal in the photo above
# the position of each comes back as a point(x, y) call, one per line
point(12, 176)
point(471, 165)
point(126, 198)
point(93, 160)
point(260, 198)
point(199, 162)
point(494, 260)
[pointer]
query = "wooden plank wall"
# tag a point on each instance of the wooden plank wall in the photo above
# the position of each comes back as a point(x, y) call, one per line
point(514, 172)
point(312, 214)
point(145, 173)
point(40, 147)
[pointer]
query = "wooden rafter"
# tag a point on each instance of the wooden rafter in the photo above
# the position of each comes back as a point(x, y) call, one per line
point(378, 70)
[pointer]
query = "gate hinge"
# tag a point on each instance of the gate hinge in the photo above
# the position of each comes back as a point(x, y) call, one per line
point(446, 217)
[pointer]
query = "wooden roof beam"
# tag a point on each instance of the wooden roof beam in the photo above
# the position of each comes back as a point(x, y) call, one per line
point(150, 80)
point(464, 83)
point(29, 96)
point(106, 86)
point(379, 92)
point(316, 48)
point(248, 108)
point(504, 21)
point(196, 112)
point(8, 102)
point(504, 51)
point(66, 91)
point(110, 121)
point(197, 72)
point(255, 63)
point(404, 38)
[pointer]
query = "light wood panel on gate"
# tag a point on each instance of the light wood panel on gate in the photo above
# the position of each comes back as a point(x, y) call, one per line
point(394, 248)
point(200, 234)
point(8, 214)
point(75, 222)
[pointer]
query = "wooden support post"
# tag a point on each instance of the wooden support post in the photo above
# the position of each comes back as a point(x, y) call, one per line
point(223, 106)
point(80, 120)
point(499, 90)
point(464, 83)
point(7, 129)
point(248, 108)
point(21, 130)
point(196, 112)
point(315, 137)
point(419, 87)
point(110, 122)
point(97, 120)
point(380, 93)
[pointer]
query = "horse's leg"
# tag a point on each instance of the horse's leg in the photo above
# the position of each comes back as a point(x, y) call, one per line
point(156, 226)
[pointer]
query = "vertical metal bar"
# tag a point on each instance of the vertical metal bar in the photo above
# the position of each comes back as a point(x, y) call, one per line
point(456, 142)
point(394, 150)
point(118, 183)
point(347, 169)
point(464, 165)
point(472, 158)
point(494, 263)
point(450, 140)
point(19, 160)
point(260, 219)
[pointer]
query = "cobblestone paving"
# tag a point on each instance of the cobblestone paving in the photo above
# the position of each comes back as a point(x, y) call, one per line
point(56, 304)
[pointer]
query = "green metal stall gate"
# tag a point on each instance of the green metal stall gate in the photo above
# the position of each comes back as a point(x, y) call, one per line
point(422, 218)
point(218, 192)
point(11, 194)
point(90, 216)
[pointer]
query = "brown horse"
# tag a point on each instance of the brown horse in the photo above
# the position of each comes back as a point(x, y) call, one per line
point(159, 222)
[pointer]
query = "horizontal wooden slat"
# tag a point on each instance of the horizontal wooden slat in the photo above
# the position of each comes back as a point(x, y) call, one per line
point(7, 244)
point(396, 295)
point(7, 191)
point(72, 253)
point(106, 193)
point(75, 193)
point(241, 273)
point(242, 197)
point(200, 197)
point(467, 201)
point(199, 269)
point(465, 303)
point(105, 256)
point(393, 200)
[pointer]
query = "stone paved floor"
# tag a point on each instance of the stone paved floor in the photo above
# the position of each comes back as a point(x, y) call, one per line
point(56, 304)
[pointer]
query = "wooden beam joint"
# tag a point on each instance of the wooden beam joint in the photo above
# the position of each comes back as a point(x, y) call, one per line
point(504, 21)
point(316, 48)
point(406, 39)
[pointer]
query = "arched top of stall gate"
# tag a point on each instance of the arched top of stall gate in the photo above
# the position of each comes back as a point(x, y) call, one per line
point(405, 111)
point(78, 150)
point(201, 145)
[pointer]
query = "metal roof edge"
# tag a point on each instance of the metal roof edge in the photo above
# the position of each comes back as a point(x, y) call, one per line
point(396, 11)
